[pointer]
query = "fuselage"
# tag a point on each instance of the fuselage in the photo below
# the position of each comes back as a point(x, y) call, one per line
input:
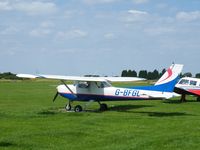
point(188, 85)
point(100, 91)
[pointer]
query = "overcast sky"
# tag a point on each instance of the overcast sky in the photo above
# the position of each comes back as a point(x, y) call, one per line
point(77, 37)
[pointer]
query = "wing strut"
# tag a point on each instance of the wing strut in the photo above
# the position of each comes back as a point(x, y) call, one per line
point(68, 88)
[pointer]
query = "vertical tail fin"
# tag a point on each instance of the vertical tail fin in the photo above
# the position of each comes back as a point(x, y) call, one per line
point(169, 78)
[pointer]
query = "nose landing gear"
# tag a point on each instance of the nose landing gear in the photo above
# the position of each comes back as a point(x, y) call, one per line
point(77, 108)
point(68, 107)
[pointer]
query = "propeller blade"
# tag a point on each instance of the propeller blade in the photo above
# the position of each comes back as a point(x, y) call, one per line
point(55, 96)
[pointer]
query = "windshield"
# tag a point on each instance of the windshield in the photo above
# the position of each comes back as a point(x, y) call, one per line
point(184, 81)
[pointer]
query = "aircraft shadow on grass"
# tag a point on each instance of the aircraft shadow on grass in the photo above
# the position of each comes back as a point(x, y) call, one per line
point(126, 108)
point(164, 114)
point(178, 101)
point(47, 112)
point(118, 108)
point(6, 144)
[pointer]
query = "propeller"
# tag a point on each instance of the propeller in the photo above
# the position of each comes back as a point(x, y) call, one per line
point(55, 96)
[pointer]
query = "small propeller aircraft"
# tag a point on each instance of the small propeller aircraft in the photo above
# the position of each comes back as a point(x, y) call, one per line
point(99, 88)
point(188, 86)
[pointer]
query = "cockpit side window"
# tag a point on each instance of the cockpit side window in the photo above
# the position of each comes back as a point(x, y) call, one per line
point(184, 81)
point(99, 84)
point(106, 84)
point(193, 82)
point(83, 84)
point(102, 84)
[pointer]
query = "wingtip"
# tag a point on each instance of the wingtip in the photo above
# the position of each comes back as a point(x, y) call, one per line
point(26, 76)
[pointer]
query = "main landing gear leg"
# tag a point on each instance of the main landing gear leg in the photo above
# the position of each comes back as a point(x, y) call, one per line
point(183, 98)
point(103, 106)
point(198, 99)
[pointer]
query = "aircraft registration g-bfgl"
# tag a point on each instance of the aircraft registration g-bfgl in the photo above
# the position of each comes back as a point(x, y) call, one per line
point(188, 86)
point(99, 88)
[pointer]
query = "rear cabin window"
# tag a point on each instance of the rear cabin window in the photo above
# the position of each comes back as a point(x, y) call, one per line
point(193, 82)
point(184, 81)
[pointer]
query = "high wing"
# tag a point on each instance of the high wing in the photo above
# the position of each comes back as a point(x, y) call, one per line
point(122, 79)
point(79, 78)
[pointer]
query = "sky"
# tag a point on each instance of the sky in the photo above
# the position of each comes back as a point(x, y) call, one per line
point(104, 37)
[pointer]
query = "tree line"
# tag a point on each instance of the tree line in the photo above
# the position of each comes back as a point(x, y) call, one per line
point(152, 75)
point(8, 75)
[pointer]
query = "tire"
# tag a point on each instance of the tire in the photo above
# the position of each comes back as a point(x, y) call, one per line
point(68, 107)
point(103, 107)
point(78, 108)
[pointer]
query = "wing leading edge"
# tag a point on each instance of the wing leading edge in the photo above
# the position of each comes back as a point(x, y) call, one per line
point(79, 78)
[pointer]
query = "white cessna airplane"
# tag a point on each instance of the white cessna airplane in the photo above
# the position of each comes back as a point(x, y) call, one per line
point(99, 88)
point(188, 86)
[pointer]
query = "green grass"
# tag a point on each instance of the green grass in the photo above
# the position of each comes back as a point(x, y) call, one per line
point(29, 120)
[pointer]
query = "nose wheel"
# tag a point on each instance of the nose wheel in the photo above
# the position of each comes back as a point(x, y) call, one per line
point(78, 108)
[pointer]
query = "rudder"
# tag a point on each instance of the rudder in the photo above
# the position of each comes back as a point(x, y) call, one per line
point(170, 78)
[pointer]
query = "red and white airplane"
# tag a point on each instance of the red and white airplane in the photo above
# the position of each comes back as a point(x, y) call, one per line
point(188, 86)
point(99, 88)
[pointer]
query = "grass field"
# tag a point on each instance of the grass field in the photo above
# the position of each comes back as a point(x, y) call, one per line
point(29, 120)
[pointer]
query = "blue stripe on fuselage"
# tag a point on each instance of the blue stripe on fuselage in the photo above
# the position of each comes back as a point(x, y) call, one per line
point(87, 97)
point(167, 87)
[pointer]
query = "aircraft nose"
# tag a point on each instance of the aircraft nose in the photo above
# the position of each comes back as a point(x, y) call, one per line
point(60, 88)
point(57, 93)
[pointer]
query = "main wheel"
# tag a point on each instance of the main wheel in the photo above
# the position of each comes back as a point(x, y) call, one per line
point(198, 99)
point(78, 108)
point(103, 107)
point(68, 107)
